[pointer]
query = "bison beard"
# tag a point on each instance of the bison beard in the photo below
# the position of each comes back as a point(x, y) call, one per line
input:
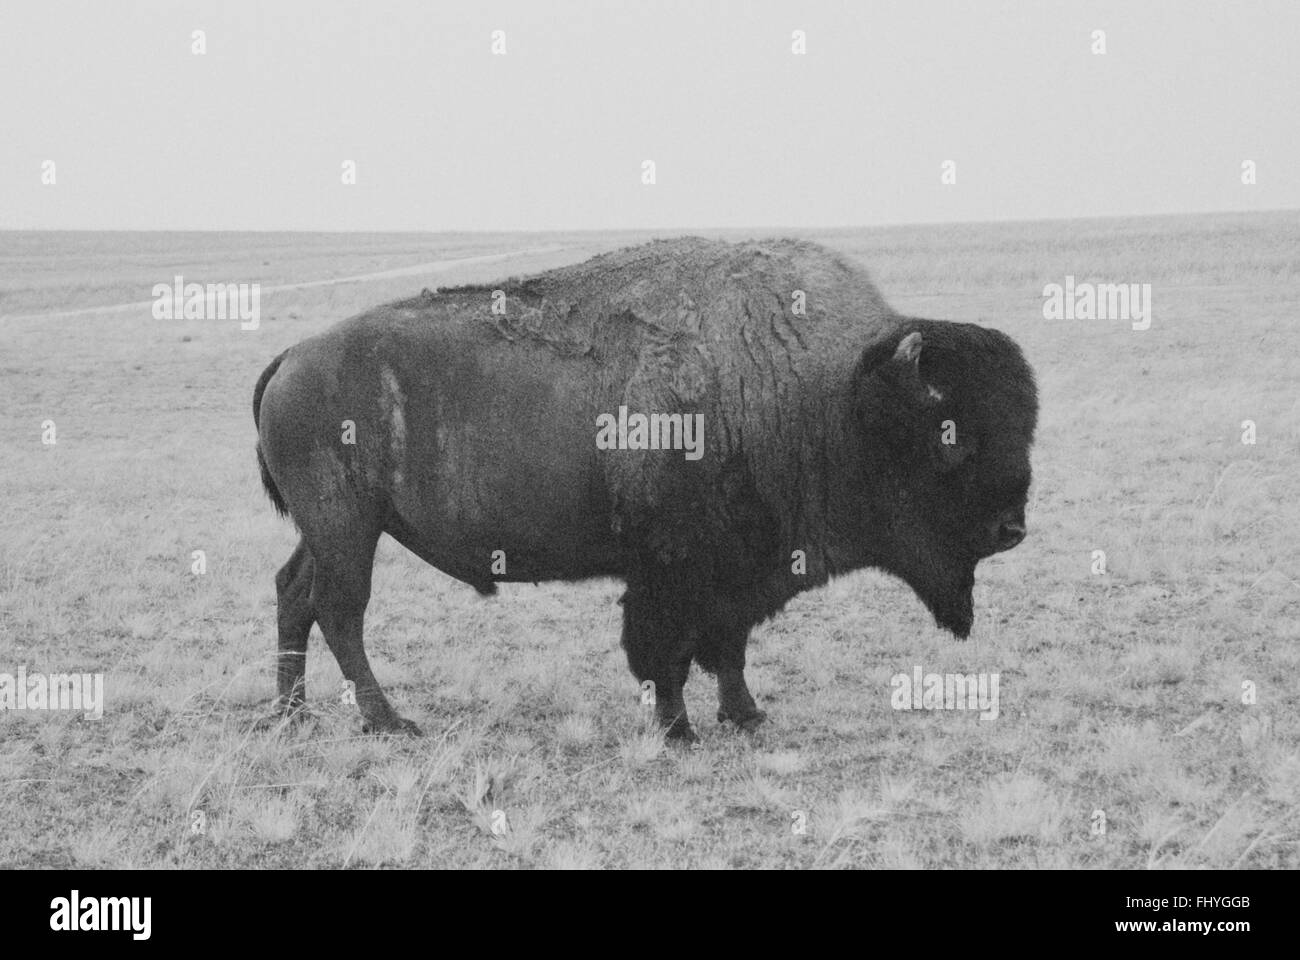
point(837, 439)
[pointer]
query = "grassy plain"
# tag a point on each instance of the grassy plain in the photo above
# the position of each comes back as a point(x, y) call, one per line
point(1121, 692)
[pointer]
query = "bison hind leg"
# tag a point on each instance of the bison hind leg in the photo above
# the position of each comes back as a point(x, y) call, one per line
point(340, 591)
point(294, 618)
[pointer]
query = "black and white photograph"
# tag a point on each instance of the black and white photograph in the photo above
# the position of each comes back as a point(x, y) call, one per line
point(619, 436)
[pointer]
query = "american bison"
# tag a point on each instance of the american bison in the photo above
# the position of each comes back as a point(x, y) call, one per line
point(722, 426)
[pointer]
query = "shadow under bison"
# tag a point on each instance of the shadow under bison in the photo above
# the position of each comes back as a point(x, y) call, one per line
point(539, 429)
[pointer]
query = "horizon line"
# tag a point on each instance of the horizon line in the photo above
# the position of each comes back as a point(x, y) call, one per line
point(680, 229)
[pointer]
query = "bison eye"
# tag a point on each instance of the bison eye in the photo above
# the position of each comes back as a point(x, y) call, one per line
point(954, 455)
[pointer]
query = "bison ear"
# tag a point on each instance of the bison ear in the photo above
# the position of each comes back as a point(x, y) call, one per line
point(909, 349)
point(907, 368)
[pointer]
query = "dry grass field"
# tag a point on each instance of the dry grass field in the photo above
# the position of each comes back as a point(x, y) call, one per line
point(1126, 692)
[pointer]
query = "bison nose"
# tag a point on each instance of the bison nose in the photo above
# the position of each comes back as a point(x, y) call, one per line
point(1009, 534)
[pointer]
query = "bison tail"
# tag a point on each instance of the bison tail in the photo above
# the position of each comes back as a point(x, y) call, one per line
point(268, 483)
point(269, 486)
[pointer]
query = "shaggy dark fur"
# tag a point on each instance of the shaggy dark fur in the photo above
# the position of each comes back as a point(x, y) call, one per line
point(475, 432)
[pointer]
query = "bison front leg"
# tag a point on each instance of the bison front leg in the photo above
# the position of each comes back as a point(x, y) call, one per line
point(735, 703)
point(724, 656)
point(659, 640)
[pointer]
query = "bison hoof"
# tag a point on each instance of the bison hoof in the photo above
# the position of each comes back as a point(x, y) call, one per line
point(284, 715)
point(680, 733)
point(749, 723)
point(393, 726)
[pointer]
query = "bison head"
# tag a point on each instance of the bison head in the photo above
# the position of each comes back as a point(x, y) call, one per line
point(947, 413)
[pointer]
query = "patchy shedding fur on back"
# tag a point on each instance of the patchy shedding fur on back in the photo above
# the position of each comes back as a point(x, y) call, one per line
point(713, 329)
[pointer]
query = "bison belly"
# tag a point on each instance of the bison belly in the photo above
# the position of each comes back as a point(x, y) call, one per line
point(496, 476)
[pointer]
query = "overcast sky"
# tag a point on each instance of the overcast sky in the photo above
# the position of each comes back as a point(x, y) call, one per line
point(445, 134)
